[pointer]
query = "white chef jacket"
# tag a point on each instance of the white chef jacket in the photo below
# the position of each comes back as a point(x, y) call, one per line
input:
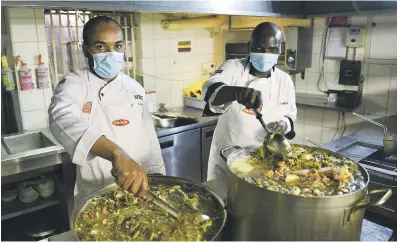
point(237, 125)
point(84, 107)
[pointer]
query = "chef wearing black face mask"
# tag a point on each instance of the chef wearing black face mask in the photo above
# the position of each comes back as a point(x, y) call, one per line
point(255, 83)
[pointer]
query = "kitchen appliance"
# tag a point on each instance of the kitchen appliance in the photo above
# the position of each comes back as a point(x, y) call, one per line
point(296, 50)
point(350, 72)
point(210, 203)
point(260, 214)
point(346, 99)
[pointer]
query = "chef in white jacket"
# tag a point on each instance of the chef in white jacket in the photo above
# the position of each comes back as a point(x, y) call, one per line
point(254, 83)
point(101, 117)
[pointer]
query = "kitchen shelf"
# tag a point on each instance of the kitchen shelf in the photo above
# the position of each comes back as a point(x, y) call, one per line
point(17, 208)
point(318, 101)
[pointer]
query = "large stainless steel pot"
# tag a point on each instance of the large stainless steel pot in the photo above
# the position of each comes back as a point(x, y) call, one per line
point(210, 203)
point(259, 214)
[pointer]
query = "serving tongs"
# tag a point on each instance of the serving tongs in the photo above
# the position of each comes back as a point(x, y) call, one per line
point(275, 143)
point(151, 197)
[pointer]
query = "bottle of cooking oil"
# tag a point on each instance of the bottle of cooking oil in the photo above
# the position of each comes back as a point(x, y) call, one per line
point(7, 75)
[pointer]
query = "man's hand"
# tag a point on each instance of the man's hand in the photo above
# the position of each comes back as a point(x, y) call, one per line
point(130, 175)
point(249, 97)
point(279, 127)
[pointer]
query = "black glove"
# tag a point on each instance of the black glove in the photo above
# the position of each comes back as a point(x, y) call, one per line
point(249, 97)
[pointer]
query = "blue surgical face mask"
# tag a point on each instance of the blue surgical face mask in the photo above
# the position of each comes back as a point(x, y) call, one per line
point(108, 65)
point(263, 61)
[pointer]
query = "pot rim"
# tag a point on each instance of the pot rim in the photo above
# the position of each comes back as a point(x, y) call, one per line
point(251, 149)
point(82, 204)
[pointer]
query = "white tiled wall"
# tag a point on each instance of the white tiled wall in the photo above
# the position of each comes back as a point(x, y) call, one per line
point(164, 69)
point(380, 91)
point(29, 41)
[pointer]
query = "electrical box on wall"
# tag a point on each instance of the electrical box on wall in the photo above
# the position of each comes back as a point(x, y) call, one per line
point(350, 72)
point(354, 37)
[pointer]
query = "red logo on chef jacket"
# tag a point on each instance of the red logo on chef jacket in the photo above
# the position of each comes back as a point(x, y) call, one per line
point(120, 122)
point(87, 107)
point(248, 111)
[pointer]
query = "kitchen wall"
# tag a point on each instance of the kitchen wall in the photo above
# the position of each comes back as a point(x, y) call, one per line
point(163, 68)
point(380, 86)
point(28, 39)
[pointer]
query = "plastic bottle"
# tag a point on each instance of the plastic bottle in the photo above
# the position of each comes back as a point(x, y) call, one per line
point(7, 76)
point(42, 75)
point(25, 77)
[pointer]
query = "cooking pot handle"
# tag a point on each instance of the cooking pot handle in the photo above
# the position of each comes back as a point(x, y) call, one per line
point(223, 151)
point(368, 201)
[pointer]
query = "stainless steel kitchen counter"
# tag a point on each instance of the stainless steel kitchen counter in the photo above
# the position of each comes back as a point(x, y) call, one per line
point(192, 112)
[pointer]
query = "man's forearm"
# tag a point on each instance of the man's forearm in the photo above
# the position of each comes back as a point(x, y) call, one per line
point(105, 148)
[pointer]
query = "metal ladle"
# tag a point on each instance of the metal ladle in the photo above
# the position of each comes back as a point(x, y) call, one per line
point(163, 204)
point(277, 144)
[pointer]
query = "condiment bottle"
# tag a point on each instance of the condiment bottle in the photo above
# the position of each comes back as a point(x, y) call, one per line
point(25, 77)
point(7, 76)
point(42, 75)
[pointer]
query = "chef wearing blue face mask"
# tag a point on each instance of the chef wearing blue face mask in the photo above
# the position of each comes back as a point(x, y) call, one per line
point(101, 117)
point(255, 83)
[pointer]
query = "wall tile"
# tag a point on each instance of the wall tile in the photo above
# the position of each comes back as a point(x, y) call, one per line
point(43, 50)
point(300, 134)
point(32, 100)
point(34, 120)
point(392, 106)
point(332, 66)
point(312, 132)
point(149, 83)
point(300, 83)
point(148, 66)
point(176, 94)
point(330, 118)
point(163, 85)
point(375, 105)
point(21, 12)
point(159, 33)
point(40, 28)
point(379, 70)
point(301, 114)
point(161, 48)
point(202, 34)
point(317, 44)
point(327, 134)
point(39, 13)
point(377, 85)
point(47, 97)
point(28, 52)
point(177, 64)
point(315, 67)
point(394, 70)
point(148, 48)
point(164, 97)
point(146, 30)
point(162, 66)
point(319, 26)
point(314, 116)
point(23, 30)
point(393, 87)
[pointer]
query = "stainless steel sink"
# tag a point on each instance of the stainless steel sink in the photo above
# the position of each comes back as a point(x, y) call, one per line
point(25, 142)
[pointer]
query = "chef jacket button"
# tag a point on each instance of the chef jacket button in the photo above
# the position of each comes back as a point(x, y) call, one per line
point(102, 94)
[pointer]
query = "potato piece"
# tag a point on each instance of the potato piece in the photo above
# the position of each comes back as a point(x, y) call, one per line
point(241, 166)
point(289, 179)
